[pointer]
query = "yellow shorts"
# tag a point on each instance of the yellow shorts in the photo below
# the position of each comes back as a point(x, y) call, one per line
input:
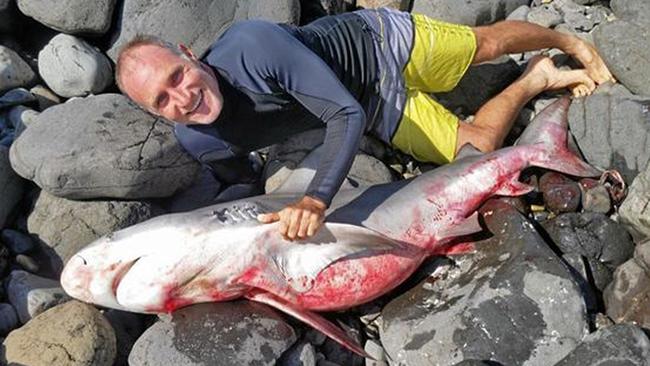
point(441, 54)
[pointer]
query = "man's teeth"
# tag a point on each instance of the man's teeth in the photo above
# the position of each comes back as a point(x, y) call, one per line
point(197, 103)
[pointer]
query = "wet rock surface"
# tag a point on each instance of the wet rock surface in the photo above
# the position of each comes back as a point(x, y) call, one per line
point(232, 333)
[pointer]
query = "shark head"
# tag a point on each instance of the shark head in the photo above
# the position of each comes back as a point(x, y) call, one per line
point(94, 274)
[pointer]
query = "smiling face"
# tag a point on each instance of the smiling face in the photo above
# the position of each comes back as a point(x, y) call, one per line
point(177, 87)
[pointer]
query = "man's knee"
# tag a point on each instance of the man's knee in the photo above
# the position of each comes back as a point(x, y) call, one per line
point(488, 46)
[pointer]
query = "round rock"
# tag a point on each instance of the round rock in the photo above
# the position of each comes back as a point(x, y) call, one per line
point(102, 146)
point(71, 16)
point(73, 68)
point(72, 334)
point(227, 333)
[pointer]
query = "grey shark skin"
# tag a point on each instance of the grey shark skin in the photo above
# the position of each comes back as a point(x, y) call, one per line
point(373, 239)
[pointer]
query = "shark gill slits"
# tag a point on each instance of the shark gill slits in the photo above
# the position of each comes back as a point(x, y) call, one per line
point(236, 214)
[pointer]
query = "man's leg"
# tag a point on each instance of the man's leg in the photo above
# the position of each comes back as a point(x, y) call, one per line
point(494, 119)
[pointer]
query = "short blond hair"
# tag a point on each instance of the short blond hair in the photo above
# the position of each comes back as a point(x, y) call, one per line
point(135, 42)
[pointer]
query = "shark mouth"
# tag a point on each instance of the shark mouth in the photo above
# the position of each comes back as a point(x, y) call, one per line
point(120, 275)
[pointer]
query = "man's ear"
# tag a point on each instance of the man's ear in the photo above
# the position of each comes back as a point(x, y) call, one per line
point(186, 50)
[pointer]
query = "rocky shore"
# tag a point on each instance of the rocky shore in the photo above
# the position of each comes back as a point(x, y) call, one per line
point(562, 278)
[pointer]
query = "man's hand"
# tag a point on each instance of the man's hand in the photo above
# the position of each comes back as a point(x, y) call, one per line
point(587, 55)
point(300, 220)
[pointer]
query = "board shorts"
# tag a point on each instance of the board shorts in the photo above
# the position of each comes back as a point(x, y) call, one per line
point(440, 56)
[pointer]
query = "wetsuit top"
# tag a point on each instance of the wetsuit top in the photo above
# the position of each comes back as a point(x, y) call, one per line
point(278, 78)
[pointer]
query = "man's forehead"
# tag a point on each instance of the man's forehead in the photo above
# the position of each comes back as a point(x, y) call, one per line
point(144, 66)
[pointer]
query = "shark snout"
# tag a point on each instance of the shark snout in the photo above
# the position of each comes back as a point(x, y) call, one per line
point(76, 279)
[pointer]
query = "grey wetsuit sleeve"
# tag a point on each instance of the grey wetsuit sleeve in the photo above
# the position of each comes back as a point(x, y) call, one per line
point(306, 77)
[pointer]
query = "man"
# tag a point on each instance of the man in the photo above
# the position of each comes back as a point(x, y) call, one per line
point(368, 71)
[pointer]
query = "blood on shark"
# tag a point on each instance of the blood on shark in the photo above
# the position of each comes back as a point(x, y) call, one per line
point(373, 239)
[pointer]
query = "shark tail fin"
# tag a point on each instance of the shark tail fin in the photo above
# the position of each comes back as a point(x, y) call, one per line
point(549, 134)
point(311, 318)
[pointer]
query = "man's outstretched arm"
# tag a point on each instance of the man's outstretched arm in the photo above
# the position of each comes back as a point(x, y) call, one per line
point(513, 36)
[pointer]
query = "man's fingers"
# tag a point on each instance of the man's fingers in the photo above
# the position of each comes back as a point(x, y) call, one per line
point(314, 225)
point(304, 224)
point(293, 220)
point(268, 217)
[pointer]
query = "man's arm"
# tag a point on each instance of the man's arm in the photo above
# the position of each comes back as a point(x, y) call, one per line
point(306, 77)
point(513, 36)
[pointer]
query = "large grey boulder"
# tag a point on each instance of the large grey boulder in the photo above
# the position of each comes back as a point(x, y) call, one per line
point(102, 146)
point(512, 302)
point(625, 47)
point(225, 334)
point(65, 226)
point(635, 11)
point(14, 71)
point(71, 16)
point(468, 12)
point(73, 68)
point(634, 213)
point(195, 23)
point(71, 334)
point(612, 129)
point(11, 187)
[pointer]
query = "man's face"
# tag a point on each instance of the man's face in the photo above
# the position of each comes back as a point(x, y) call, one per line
point(178, 88)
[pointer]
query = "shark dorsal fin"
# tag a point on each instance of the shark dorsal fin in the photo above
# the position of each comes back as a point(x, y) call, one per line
point(468, 150)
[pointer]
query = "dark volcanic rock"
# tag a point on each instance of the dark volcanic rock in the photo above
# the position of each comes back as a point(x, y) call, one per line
point(466, 98)
point(11, 186)
point(623, 344)
point(612, 129)
point(102, 146)
point(603, 243)
point(561, 194)
point(467, 11)
point(513, 302)
point(627, 298)
point(227, 333)
point(195, 23)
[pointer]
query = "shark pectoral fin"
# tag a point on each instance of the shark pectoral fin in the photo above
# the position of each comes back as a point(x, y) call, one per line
point(301, 262)
point(470, 225)
point(514, 187)
point(311, 318)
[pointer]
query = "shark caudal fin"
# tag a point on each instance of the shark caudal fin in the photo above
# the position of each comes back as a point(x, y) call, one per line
point(549, 131)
